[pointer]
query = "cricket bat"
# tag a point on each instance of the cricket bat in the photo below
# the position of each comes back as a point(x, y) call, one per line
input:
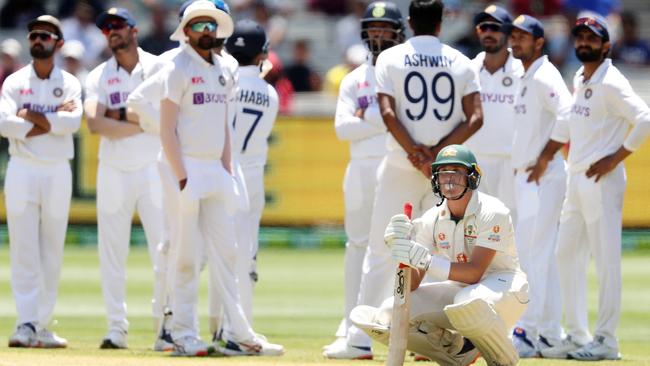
point(401, 302)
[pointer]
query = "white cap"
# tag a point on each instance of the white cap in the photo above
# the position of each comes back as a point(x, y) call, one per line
point(11, 47)
point(356, 54)
point(74, 49)
point(205, 8)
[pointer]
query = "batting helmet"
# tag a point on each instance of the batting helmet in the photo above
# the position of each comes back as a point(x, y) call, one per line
point(387, 12)
point(247, 41)
point(456, 155)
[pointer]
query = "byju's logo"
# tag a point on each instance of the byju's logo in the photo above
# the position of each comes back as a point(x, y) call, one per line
point(199, 98)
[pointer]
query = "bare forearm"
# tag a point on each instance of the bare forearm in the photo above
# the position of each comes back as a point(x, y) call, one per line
point(112, 128)
point(550, 149)
point(38, 119)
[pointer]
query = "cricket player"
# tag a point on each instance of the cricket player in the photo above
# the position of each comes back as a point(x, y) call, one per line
point(359, 121)
point(40, 110)
point(199, 188)
point(499, 73)
point(466, 247)
point(127, 176)
point(608, 122)
point(256, 111)
point(428, 95)
point(542, 101)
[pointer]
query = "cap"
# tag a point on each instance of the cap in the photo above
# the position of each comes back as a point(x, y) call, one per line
point(121, 13)
point(594, 24)
point(11, 47)
point(46, 19)
point(494, 12)
point(206, 8)
point(74, 49)
point(527, 24)
point(220, 4)
point(248, 38)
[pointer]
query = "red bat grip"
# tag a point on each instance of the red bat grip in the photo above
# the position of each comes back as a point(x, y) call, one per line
point(408, 211)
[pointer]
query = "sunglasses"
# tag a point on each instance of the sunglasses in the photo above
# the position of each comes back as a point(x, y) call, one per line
point(589, 22)
point(201, 26)
point(114, 25)
point(489, 26)
point(43, 35)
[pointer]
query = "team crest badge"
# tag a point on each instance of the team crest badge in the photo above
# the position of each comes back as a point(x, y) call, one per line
point(57, 92)
point(520, 19)
point(379, 10)
point(222, 80)
point(449, 152)
point(240, 42)
point(112, 11)
point(523, 91)
point(496, 229)
point(507, 81)
point(588, 93)
point(441, 236)
point(490, 9)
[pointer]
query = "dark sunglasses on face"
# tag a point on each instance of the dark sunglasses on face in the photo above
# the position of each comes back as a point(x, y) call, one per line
point(489, 26)
point(115, 25)
point(591, 22)
point(43, 35)
point(201, 26)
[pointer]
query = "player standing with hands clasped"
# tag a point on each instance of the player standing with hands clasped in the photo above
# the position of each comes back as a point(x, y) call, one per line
point(608, 122)
point(199, 188)
point(358, 120)
point(40, 109)
point(428, 95)
point(542, 101)
point(466, 247)
point(127, 176)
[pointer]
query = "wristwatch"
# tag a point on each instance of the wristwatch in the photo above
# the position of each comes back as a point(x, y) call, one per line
point(122, 114)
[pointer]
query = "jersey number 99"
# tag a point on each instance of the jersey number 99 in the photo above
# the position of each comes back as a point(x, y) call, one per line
point(416, 92)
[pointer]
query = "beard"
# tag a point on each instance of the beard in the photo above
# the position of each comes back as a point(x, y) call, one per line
point(122, 45)
point(495, 47)
point(205, 43)
point(217, 42)
point(38, 51)
point(587, 54)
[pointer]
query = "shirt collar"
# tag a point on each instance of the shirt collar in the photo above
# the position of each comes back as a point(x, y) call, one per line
point(536, 65)
point(506, 68)
point(472, 207)
point(55, 74)
point(249, 71)
point(424, 39)
point(598, 75)
point(113, 65)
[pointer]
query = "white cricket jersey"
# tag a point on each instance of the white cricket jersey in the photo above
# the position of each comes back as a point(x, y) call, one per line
point(257, 108)
point(24, 89)
point(202, 91)
point(543, 99)
point(367, 136)
point(428, 80)
point(498, 92)
point(487, 223)
point(110, 85)
point(604, 110)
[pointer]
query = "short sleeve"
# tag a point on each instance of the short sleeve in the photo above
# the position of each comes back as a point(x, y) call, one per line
point(382, 75)
point(92, 89)
point(473, 84)
point(495, 232)
point(174, 84)
point(624, 102)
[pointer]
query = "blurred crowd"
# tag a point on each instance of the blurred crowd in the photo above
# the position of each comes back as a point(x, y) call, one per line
point(298, 62)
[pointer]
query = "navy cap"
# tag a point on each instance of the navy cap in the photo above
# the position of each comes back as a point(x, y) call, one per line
point(527, 24)
point(220, 4)
point(493, 12)
point(248, 38)
point(594, 24)
point(121, 13)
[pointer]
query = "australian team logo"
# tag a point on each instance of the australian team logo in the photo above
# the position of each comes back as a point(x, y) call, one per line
point(588, 93)
point(507, 81)
point(57, 92)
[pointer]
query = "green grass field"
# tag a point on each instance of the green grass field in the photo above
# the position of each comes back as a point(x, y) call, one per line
point(298, 303)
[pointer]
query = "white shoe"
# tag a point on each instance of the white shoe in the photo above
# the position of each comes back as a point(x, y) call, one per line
point(343, 351)
point(337, 343)
point(24, 336)
point(258, 346)
point(48, 339)
point(561, 351)
point(595, 350)
point(114, 339)
point(190, 346)
point(524, 346)
point(164, 342)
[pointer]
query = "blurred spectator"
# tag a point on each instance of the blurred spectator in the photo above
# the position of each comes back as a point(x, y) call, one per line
point(281, 84)
point(158, 40)
point(82, 28)
point(329, 7)
point(348, 31)
point(537, 8)
point(16, 13)
point(300, 73)
point(67, 8)
point(354, 56)
point(630, 49)
point(268, 16)
point(602, 7)
point(10, 50)
point(72, 53)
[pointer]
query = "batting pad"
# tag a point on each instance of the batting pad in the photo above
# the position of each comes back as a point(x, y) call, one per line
point(477, 320)
point(363, 316)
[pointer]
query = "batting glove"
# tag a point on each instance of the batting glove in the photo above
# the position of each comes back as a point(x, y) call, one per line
point(399, 227)
point(410, 253)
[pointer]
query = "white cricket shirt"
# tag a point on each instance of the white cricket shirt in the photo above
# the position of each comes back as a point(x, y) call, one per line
point(498, 92)
point(110, 85)
point(428, 80)
point(24, 89)
point(606, 114)
point(543, 99)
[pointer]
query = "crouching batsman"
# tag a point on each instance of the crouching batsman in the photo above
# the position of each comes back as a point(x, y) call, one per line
point(464, 248)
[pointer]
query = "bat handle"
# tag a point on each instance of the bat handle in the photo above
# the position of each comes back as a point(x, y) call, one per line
point(408, 211)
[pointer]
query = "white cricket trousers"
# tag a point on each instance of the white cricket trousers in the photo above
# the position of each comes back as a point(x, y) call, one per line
point(37, 199)
point(536, 231)
point(359, 195)
point(590, 224)
point(398, 182)
point(120, 193)
point(498, 179)
point(202, 212)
